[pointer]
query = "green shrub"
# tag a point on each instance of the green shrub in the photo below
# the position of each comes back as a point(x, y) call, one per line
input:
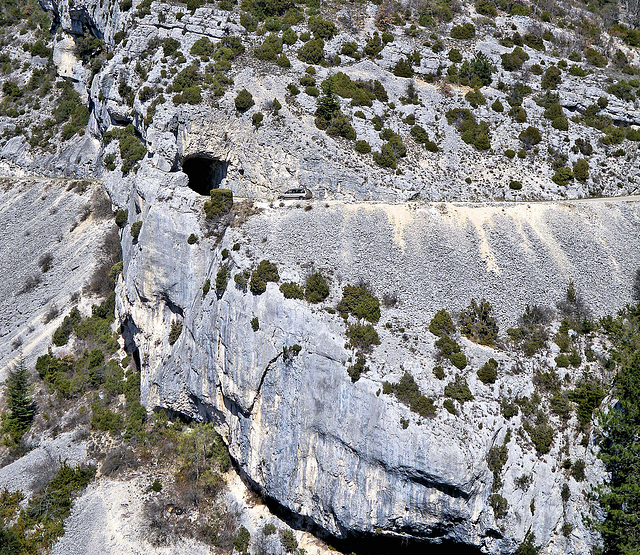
point(541, 434)
point(289, 541)
point(476, 71)
point(132, 150)
point(403, 68)
point(106, 420)
point(477, 323)
point(20, 407)
point(289, 37)
point(362, 337)
point(563, 176)
point(192, 239)
point(265, 272)
point(135, 230)
point(206, 288)
point(515, 185)
point(552, 78)
point(581, 169)
point(363, 147)
point(449, 405)
point(447, 346)
point(63, 332)
point(316, 288)
point(438, 372)
point(241, 540)
point(510, 153)
point(588, 396)
point(222, 279)
point(530, 137)
point(408, 393)
point(220, 203)
point(312, 52)
point(441, 323)
point(458, 390)
point(455, 56)
point(513, 61)
point(269, 50)
point(243, 100)
point(255, 325)
point(499, 505)
point(577, 470)
point(420, 135)
point(471, 132)
point(257, 118)
point(464, 31)
point(121, 218)
point(360, 302)
point(321, 28)
point(174, 333)
point(475, 98)
point(459, 360)
point(497, 106)
point(358, 368)
point(292, 290)
point(489, 372)
point(156, 485)
point(595, 58)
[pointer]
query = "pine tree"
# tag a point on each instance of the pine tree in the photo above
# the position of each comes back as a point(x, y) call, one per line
point(21, 408)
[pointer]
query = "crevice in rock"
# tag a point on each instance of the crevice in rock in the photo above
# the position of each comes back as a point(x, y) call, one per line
point(173, 307)
point(262, 378)
point(205, 172)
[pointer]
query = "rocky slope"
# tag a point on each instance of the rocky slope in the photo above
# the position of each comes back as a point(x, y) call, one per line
point(348, 457)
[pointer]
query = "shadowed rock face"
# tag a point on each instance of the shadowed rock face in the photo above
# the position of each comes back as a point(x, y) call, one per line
point(334, 451)
point(204, 173)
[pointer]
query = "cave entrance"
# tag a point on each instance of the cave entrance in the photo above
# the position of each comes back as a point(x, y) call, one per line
point(204, 173)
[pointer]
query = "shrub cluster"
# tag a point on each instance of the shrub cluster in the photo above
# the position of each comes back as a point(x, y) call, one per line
point(265, 272)
point(220, 203)
point(477, 323)
point(330, 118)
point(360, 302)
point(408, 393)
point(132, 149)
point(471, 132)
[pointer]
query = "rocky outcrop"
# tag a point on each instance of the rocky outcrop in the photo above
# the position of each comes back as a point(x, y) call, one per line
point(332, 450)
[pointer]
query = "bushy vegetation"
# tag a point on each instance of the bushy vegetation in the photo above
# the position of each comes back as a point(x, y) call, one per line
point(489, 372)
point(531, 334)
point(478, 324)
point(264, 273)
point(316, 288)
point(36, 528)
point(442, 324)
point(471, 132)
point(243, 101)
point(292, 290)
point(20, 407)
point(358, 368)
point(408, 393)
point(362, 337)
point(358, 301)
point(132, 149)
point(220, 203)
point(459, 390)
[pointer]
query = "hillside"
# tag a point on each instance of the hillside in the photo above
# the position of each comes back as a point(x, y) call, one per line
point(422, 354)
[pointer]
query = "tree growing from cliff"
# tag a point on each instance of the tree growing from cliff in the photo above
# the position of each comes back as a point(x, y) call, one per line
point(21, 409)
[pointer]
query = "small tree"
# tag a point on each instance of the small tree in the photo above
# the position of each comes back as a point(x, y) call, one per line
point(21, 408)
point(244, 100)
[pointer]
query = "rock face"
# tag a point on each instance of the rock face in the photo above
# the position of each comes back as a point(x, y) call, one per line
point(346, 456)
point(335, 451)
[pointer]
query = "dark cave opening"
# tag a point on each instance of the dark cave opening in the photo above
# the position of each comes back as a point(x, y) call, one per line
point(205, 173)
